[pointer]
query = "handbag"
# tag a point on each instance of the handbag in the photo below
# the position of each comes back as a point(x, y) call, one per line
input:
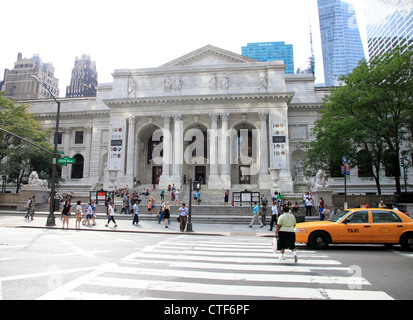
point(274, 245)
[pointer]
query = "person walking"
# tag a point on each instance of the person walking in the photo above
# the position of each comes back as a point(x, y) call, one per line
point(226, 198)
point(274, 217)
point(135, 213)
point(161, 211)
point(286, 233)
point(28, 207)
point(308, 205)
point(183, 212)
point(93, 206)
point(166, 215)
point(88, 213)
point(33, 207)
point(67, 209)
point(256, 215)
point(78, 214)
point(111, 213)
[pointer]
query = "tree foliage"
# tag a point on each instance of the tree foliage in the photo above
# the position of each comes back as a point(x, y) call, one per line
point(17, 158)
point(372, 111)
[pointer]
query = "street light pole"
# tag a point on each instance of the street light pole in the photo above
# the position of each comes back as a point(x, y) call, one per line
point(189, 222)
point(51, 218)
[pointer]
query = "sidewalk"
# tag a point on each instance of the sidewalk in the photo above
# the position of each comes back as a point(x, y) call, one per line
point(147, 224)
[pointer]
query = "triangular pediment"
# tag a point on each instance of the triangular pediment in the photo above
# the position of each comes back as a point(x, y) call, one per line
point(208, 55)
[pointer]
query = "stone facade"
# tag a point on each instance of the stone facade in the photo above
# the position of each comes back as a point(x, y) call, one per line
point(212, 115)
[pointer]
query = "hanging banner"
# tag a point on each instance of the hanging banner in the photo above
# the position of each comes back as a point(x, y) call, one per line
point(116, 146)
point(279, 145)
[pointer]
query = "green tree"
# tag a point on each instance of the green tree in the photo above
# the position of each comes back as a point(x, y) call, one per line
point(17, 158)
point(371, 111)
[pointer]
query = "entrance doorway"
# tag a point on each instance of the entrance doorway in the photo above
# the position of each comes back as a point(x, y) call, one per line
point(200, 174)
point(244, 175)
point(156, 174)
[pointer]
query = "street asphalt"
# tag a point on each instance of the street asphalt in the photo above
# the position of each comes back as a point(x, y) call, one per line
point(147, 224)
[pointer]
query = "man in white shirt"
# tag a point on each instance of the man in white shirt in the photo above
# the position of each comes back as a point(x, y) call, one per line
point(183, 212)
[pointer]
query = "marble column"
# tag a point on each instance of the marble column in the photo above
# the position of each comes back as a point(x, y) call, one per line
point(178, 153)
point(213, 179)
point(263, 116)
point(130, 159)
point(87, 152)
point(167, 144)
point(224, 152)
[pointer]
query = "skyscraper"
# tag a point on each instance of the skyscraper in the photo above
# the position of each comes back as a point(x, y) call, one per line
point(270, 51)
point(340, 39)
point(389, 24)
point(19, 84)
point(84, 80)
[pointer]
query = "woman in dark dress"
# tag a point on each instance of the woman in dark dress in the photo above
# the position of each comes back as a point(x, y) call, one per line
point(166, 215)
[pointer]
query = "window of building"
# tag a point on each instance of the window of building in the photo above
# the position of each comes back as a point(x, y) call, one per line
point(79, 137)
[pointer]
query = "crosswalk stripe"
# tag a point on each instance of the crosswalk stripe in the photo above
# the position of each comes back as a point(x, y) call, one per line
point(234, 290)
point(194, 252)
point(186, 266)
point(227, 259)
point(244, 276)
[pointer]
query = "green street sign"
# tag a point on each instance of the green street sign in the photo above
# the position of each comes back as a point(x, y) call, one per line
point(66, 160)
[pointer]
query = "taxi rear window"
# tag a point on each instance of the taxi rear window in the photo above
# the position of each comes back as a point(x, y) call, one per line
point(385, 217)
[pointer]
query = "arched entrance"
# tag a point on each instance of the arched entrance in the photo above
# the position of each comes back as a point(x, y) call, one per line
point(244, 143)
point(150, 144)
point(196, 152)
point(77, 168)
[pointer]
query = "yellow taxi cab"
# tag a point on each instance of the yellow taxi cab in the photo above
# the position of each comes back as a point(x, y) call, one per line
point(361, 225)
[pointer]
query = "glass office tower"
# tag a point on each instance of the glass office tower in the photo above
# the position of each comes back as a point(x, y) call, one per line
point(389, 24)
point(270, 51)
point(340, 39)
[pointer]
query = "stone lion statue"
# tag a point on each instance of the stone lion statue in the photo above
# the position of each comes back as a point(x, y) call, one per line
point(34, 181)
point(320, 179)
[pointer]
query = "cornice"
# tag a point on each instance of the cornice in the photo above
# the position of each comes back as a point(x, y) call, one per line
point(306, 105)
point(280, 96)
point(73, 114)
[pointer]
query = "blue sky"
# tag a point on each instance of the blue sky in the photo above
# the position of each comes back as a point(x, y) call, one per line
point(144, 34)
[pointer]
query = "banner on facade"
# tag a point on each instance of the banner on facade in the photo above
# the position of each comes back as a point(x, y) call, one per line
point(116, 145)
point(279, 145)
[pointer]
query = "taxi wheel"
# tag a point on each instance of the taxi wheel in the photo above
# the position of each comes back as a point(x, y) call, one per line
point(406, 241)
point(319, 240)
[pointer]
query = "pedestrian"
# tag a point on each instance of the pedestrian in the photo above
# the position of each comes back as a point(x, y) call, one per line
point(93, 205)
point(33, 207)
point(135, 213)
point(88, 212)
point(111, 213)
point(256, 215)
point(161, 211)
point(308, 205)
point(326, 212)
point(28, 207)
point(382, 205)
point(183, 212)
point(166, 215)
point(149, 207)
point(286, 233)
point(226, 198)
point(123, 207)
point(152, 205)
point(78, 214)
point(274, 217)
point(67, 209)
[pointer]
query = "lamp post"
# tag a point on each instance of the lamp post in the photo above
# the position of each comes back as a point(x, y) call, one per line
point(51, 218)
point(189, 222)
